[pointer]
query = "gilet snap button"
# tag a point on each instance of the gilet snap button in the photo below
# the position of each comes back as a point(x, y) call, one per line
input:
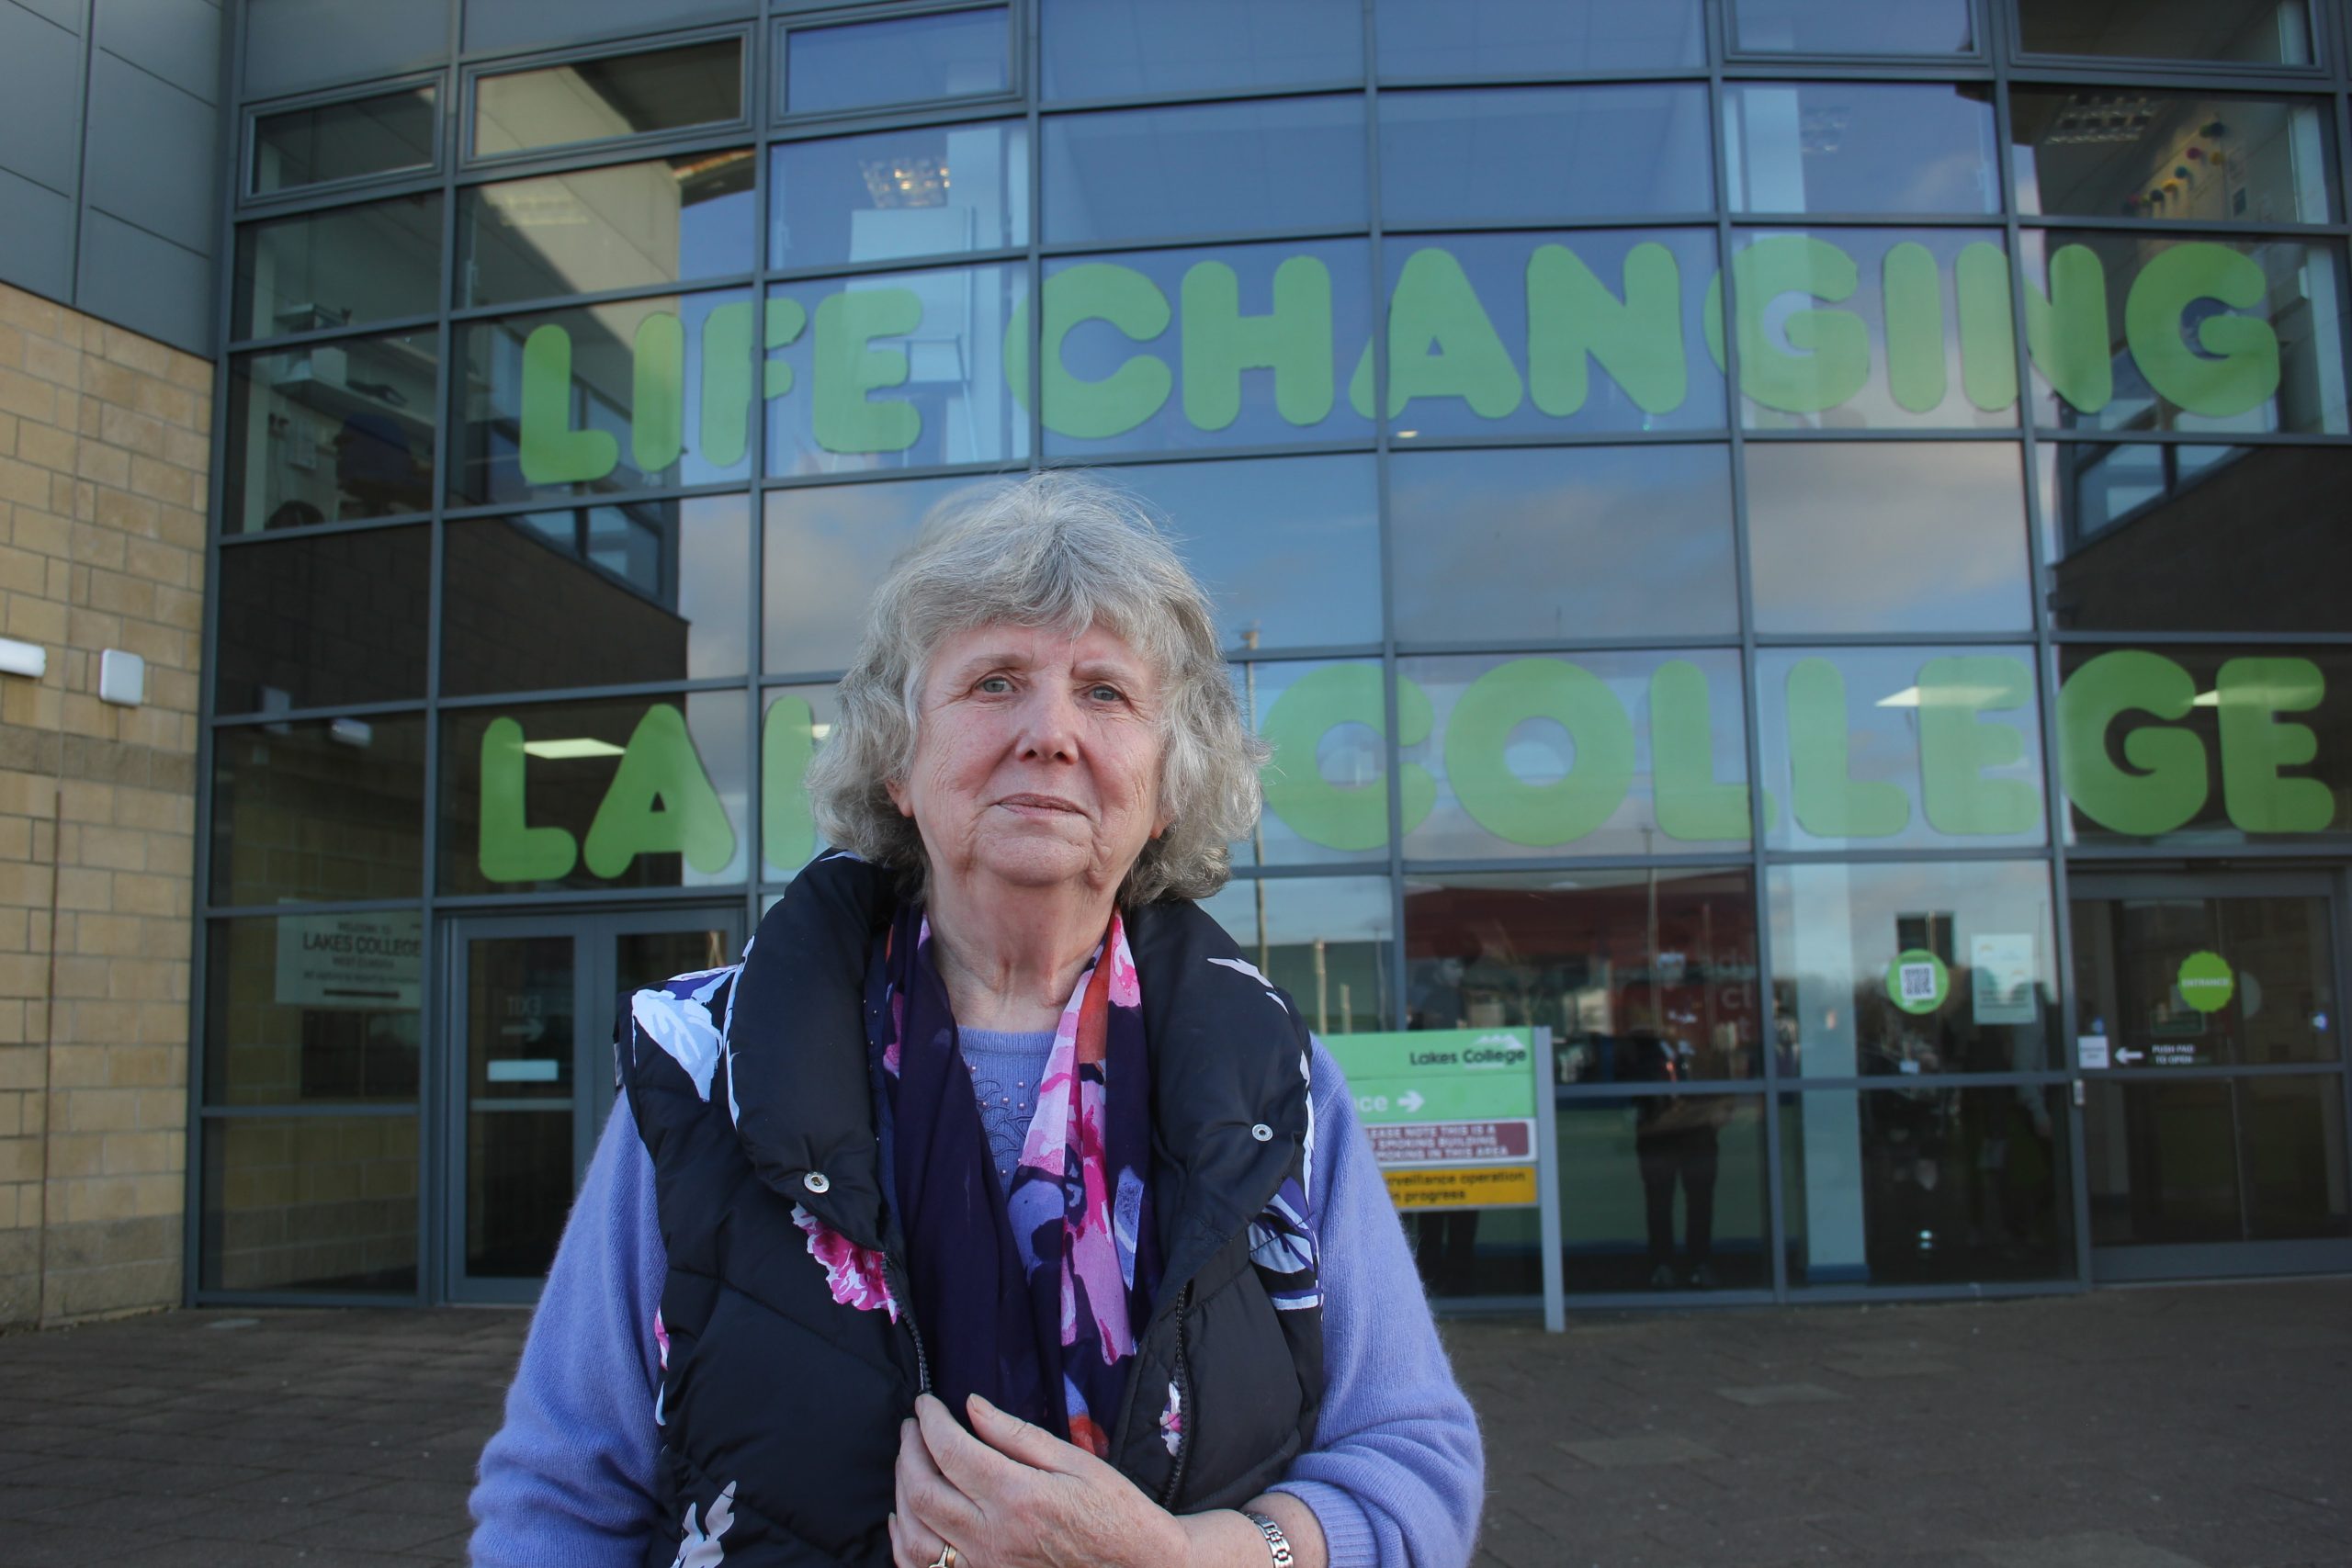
point(815, 1181)
point(1262, 1132)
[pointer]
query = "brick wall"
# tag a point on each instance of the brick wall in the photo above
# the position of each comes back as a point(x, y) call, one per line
point(104, 446)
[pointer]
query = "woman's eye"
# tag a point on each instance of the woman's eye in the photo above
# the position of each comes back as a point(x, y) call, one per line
point(1104, 693)
point(996, 685)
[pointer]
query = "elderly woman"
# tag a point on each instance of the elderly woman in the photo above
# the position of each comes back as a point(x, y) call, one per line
point(995, 1212)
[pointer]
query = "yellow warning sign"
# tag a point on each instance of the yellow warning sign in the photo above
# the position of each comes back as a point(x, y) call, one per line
point(1475, 1187)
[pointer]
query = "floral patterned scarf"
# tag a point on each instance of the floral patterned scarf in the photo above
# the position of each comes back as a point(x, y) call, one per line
point(1033, 1297)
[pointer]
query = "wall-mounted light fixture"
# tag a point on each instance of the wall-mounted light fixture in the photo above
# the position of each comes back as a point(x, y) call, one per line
point(23, 657)
point(122, 678)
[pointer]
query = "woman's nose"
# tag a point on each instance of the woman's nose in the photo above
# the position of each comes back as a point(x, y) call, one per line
point(1049, 724)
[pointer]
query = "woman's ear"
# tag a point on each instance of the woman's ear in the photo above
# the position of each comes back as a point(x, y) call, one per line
point(897, 790)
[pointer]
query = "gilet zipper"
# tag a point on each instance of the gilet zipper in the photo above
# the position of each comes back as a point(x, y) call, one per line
point(1186, 1415)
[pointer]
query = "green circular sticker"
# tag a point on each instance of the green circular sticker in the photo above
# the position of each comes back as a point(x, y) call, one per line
point(2207, 982)
point(1917, 981)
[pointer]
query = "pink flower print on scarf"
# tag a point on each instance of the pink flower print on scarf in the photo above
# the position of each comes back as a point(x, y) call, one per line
point(853, 1274)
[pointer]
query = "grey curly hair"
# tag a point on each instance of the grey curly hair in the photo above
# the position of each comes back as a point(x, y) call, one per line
point(1057, 550)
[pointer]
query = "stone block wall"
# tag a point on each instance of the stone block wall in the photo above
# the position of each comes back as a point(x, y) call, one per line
point(105, 441)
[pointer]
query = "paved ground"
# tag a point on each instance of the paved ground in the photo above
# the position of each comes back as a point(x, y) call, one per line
point(2197, 1427)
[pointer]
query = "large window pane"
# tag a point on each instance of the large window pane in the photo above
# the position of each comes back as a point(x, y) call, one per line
point(537, 796)
point(341, 268)
point(827, 549)
point(320, 809)
point(1892, 537)
point(1205, 169)
point(795, 722)
point(1108, 49)
point(1835, 27)
point(1593, 332)
point(629, 395)
point(308, 1009)
point(598, 595)
point(1935, 967)
point(2206, 746)
point(1562, 544)
point(329, 432)
point(2239, 32)
point(2174, 537)
point(1662, 1191)
point(1877, 329)
point(1495, 155)
point(1852, 147)
point(2200, 334)
point(1167, 349)
point(1288, 548)
point(2270, 1001)
point(2146, 153)
point(596, 100)
point(324, 1204)
point(1326, 941)
point(1889, 748)
point(1326, 787)
point(920, 191)
point(1590, 754)
point(630, 226)
point(349, 140)
point(899, 370)
point(2293, 1139)
point(317, 622)
point(1925, 1187)
point(511, 25)
point(1642, 977)
point(1530, 38)
point(901, 59)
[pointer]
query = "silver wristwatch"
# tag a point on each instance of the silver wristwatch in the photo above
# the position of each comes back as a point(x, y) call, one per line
point(1277, 1543)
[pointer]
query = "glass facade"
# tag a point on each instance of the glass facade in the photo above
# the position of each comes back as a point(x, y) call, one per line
point(1792, 544)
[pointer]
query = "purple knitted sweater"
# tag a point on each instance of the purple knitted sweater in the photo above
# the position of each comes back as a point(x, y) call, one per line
point(1395, 1479)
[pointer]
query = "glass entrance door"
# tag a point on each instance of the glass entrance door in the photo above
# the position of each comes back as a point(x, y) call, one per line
point(2209, 1039)
point(532, 1005)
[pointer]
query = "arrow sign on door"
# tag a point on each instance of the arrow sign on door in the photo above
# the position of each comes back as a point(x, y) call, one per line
point(2127, 1056)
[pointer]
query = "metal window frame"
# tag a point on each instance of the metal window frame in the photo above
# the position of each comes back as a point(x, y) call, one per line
point(596, 150)
point(781, 27)
point(247, 144)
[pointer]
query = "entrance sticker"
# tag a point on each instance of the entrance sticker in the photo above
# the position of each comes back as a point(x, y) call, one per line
point(2206, 981)
point(1917, 981)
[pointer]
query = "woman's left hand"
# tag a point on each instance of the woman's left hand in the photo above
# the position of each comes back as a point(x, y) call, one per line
point(1017, 1496)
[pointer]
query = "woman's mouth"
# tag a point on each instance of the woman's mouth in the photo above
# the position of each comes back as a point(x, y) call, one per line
point(1041, 803)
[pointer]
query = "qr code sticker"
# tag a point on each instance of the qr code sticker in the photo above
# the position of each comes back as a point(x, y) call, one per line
point(1919, 982)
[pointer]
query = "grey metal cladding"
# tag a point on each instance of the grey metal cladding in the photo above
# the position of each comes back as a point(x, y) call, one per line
point(176, 40)
point(40, 99)
point(68, 14)
point(151, 158)
point(292, 46)
point(135, 280)
point(549, 23)
point(36, 237)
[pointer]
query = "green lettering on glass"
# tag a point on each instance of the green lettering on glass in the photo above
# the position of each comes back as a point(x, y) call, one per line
point(1956, 750)
point(510, 849)
point(1092, 411)
point(549, 450)
point(1293, 342)
point(1692, 804)
point(1572, 315)
point(2065, 330)
point(1989, 355)
point(1441, 342)
point(2165, 785)
point(1335, 816)
point(847, 367)
point(1832, 358)
point(1477, 738)
point(657, 429)
point(787, 740)
point(660, 802)
point(2239, 367)
point(2251, 693)
point(725, 435)
point(1913, 289)
point(785, 319)
point(1830, 803)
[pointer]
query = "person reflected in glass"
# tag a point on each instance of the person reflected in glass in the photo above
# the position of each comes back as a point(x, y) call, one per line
point(1675, 1143)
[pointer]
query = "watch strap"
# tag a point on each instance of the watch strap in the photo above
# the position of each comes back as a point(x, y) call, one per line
point(1277, 1543)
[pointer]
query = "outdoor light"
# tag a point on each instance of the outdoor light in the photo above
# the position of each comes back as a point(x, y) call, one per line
point(23, 657)
point(122, 678)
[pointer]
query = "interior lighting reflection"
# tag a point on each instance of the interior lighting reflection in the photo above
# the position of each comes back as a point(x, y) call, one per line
point(565, 751)
point(1908, 697)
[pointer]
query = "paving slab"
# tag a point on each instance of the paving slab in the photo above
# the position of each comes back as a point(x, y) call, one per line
point(2201, 1427)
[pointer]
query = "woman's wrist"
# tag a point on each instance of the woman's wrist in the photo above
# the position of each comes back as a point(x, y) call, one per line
point(1225, 1537)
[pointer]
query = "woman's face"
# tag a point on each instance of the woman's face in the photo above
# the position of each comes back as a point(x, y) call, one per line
point(1036, 758)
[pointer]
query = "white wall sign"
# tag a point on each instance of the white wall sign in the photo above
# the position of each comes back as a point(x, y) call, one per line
point(374, 961)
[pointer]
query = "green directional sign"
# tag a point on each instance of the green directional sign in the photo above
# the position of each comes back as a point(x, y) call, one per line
point(1447, 1074)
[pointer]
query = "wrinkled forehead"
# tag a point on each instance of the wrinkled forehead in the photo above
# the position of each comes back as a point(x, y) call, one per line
point(1096, 647)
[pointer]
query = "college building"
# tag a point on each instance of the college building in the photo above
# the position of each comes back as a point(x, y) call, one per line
point(1799, 546)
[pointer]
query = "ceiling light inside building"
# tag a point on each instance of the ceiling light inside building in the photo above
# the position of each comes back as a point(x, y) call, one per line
point(565, 751)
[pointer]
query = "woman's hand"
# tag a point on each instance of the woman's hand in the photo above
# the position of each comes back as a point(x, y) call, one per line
point(1017, 1496)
